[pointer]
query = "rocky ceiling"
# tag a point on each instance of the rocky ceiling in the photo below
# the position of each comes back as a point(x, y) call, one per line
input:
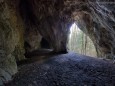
point(95, 17)
point(29, 20)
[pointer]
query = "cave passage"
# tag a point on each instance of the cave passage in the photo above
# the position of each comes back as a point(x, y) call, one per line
point(45, 44)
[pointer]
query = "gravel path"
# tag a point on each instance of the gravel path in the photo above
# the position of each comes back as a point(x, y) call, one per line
point(66, 70)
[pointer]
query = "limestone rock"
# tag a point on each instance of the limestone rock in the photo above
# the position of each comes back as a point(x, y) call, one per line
point(9, 39)
point(32, 40)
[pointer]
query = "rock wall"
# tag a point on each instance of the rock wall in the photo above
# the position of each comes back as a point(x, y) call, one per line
point(32, 40)
point(98, 23)
point(11, 40)
point(45, 16)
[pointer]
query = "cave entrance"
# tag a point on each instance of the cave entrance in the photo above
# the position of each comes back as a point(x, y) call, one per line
point(80, 43)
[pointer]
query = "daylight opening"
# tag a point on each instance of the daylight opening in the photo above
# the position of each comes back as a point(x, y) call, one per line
point(80, 43)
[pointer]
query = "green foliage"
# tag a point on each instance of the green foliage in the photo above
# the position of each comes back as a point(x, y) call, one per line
point(80, 43)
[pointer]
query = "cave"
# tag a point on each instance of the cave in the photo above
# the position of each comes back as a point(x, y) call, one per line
point(45, 44)
point(34, 37)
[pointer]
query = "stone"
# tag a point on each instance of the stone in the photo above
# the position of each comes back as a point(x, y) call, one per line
point(10, 36)
point(32, 40)
point(5, 76)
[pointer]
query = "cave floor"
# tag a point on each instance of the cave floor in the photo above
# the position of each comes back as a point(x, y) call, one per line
point(66, 70)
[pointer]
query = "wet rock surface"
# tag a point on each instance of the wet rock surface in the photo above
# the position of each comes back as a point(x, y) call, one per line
point(66, 70)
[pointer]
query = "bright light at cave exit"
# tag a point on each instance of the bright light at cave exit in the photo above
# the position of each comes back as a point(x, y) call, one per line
point(80, 43)
point(74, 26)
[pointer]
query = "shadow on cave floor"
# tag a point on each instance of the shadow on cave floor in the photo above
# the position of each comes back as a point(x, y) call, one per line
point(37, 55)
point(38, 52)
point(66, 70)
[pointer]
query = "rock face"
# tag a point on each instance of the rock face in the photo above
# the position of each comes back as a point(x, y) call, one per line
point(47, 20)
point(98, 24)
point(11, 40)
point(27, 21)
point(32, 40)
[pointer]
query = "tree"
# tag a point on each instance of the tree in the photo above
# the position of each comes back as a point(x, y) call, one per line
point(80, 42)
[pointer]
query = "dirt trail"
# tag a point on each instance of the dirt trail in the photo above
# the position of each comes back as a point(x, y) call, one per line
point(66, 70)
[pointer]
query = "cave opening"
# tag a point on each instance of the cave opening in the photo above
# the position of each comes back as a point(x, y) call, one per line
point(80, 43)
point(45, 44)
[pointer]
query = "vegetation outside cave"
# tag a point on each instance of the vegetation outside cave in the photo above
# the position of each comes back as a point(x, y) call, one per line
point(80, 42)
